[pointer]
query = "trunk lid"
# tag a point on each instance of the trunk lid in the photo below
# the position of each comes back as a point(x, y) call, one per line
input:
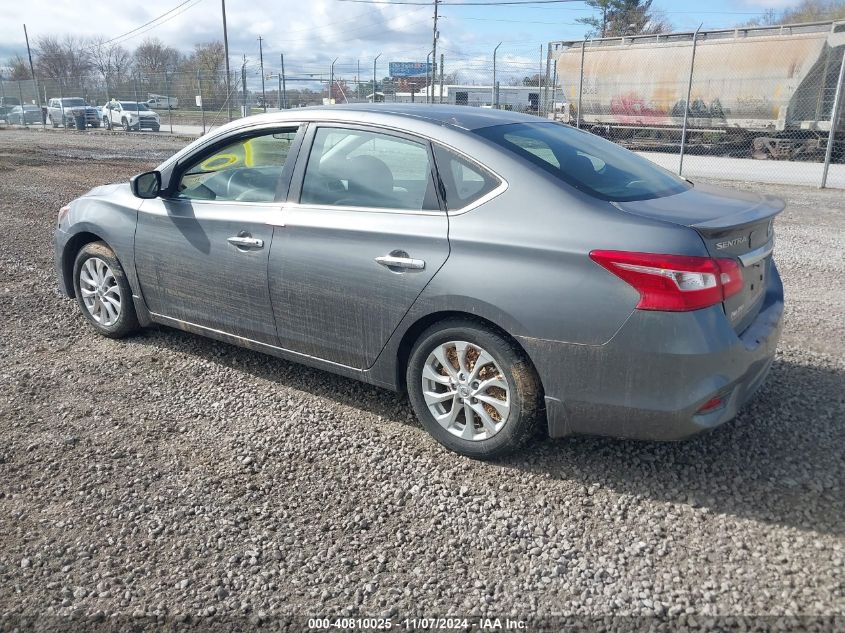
point(733, 224)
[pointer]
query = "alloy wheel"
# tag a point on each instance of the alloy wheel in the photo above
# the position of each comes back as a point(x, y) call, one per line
point(100, 291)
point(465, 390)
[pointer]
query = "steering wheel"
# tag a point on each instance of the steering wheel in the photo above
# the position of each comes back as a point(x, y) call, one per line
point(243, 183)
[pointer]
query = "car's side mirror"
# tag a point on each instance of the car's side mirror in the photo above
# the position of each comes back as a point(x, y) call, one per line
point(146, 185)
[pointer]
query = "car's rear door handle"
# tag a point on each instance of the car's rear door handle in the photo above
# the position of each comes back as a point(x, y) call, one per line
point(392, 261)
point(244, 241)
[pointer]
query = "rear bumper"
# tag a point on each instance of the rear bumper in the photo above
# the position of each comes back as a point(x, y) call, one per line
point(652, 378)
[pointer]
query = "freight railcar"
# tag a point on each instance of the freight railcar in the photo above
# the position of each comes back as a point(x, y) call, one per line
point(764, 90)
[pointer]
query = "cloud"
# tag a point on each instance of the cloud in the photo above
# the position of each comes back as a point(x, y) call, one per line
point(308, 33)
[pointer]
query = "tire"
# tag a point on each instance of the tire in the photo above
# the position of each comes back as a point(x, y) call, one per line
point(126, 127)
point(52, 122)
point(106, 123)
point(506, 364)
point(156, 128)
point(114, 322)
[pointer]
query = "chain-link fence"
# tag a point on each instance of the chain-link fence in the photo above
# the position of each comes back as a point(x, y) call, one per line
point(765, 104)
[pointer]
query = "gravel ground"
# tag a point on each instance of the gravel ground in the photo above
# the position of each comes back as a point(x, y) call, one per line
point(171, 475)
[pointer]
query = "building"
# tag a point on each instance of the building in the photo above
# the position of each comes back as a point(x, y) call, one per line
point(516, 98)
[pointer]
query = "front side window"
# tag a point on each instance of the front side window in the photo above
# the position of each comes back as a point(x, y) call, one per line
point(587, 162)
point(464, 182)
point(367, 169)
point(247, 170)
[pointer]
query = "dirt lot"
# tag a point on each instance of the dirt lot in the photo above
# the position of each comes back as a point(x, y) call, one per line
point(172, 475)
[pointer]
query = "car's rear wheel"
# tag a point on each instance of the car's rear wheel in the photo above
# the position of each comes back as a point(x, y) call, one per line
point(473, 389)
point(103, 292)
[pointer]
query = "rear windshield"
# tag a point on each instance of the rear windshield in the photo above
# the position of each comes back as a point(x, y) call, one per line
point(585, 161)
point(131, 105)
point(73, 102)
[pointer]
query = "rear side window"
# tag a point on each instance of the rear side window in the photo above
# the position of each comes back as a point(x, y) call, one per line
point(464, 182)
point(585, 161)
point(359, 168)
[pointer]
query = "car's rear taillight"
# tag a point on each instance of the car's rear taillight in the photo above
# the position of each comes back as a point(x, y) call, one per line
point(676, 283)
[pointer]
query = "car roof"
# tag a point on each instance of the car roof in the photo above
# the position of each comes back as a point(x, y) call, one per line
point(463, 117)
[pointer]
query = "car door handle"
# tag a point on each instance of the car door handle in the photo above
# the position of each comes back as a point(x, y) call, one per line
point(392, 261)
point(243, 241)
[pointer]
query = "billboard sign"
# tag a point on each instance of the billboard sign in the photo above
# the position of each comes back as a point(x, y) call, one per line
point(409, 69)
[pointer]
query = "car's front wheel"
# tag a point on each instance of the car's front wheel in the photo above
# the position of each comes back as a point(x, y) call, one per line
point(103, 292)
point(106, 123)
point(126, 127)
point(473, 389)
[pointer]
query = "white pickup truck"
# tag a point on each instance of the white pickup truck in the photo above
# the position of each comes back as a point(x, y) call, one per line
point(130, 115)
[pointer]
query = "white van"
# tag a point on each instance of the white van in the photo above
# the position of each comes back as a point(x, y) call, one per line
point(162, 101)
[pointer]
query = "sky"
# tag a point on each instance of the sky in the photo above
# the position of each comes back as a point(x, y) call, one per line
point(312, 33)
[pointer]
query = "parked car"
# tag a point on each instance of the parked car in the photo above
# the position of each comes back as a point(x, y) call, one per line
point(503, 270)
point(64, 111)
point(130, 115)
point(6, 105)
point(25, 115)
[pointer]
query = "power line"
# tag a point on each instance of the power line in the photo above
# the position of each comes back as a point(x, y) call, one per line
point(151, 27)
point(155, 19)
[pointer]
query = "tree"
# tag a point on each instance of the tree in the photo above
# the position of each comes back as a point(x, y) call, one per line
point(598, 23)
point(534, 80)
point(18, 68)
point(67, 59)
point(636, 17)
point(807, 11)
point(340, 92)
point(111, 61)
point(152, 57)
point(209, 58)
point(624, 17)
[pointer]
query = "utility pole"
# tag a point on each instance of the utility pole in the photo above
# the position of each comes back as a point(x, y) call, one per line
point(434, 50)
point(226, 53)
point(441, 77)
point(243, 83)
point(331, 80)
point(540, 80)
point(358, 81)
point(284, 87)
point(493, 99)
point(261, 61)
point(374, 76)
point(429, 84)
point(32, 72)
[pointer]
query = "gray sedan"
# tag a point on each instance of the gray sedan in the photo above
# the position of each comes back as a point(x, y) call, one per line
point(511, 274)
